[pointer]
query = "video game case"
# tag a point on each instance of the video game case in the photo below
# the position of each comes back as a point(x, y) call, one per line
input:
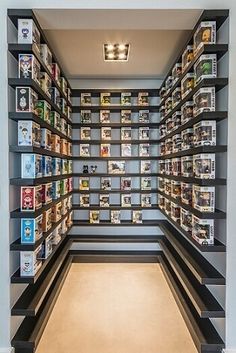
point(125, 98)
point(137, 217)
point(105, 150)
point(205, 67)
point(31, 166)
point(115, 216)
point(105, 98)
point(26, 100)
point(204, 198)
point(205, 133)
point(46, 56)
point(31, 198)
point(29, 67)
point(30, 262)
point(85, 99)
point(203, 230)
point(204, 100)
point(205, 34)
point(28, 33)
point(204, 166)
point(104, 200)
point(31, 229)
point(126, 116)
point(29, 133)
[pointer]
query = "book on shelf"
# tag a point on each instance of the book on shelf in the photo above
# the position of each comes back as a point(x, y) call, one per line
point(115, 216)
point(126, 150)
point(94, 216)
point(106, 133)
point(125, 133)
point(146, 183)
point(105, 98)
point(105, 116)
point(106, 183)
point(125, 98)
point(105, 150)
point(84, 200)
point(143, 98)
point(126, 200)
point(145, 167)
point(143, 116)
point(125, 183)
point(146, 200)
point(85, 99)
point(84, 183)
point(104, 200)
point(144, 150)
point(84, 150)
point(126, 116)
point(137, 217)
point(85, 133)
point(116, 167)
point(144, 133)
point(86, 116)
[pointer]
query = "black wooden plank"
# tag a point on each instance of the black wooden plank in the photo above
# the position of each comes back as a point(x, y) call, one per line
point(115, 191)
point(116, 108)
point(115, 92)
point(115, 207)
point(196, 150)
point(39, 150)
point(38, 181)
point(119, 158)
point(85, 223)
point(81, 238)
point(202, 182)
point(115, 125)
point(115, 142)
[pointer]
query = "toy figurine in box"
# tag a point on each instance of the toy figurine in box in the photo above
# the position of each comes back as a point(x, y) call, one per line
point(187, 166)
point(46, 247)
point(64, 227)
point(64, 126)
point(167, 183)
point(161, 184)
point(205, 34)
point(176, 72)
point(187, 57)
point(26, 100)
point(28, 67)
point(31, 229)
point(56, 189)
point(28, 33)
point(56, 235)
point(168, 167)
point(162, 112)
point(55, 96)
point(63, 106)
point(176, 166)
point(176, 118)
point(47, 220)
point(176, 96)
point(94, 216)
point(162, 148)
point(63, 207)
point(168, 207)
point(105, 98)
point(204, 166)
point(203, 230)
point(169, 83)
point(47, 166)
point(143, 98)
point(55, 143)
point(175, 189)
point(56, 212)
point(69, 94)
point(175, 212)
point(115, 216)
point(168, 146)
point(56, 73)
point(64, 166)
point(204, 100)
point(186, 193)
point(162, 93)
point(55, 120)
point(47, 193)
point(69, 220)
point(69, 131)
point(186, 220)
point(46, 56)
point(31, 166)
point(168, 105)
point(30, 262)
point(204, 198)
point(162, 130)
point(56, 166)
point(70, 166)
point(46, 139)
point(205, 133)
point(69, 184)
point(68, 112)
point(63, 85)
point(169, 125)
point(187, 84)
point(205, 67)
point(29, 133)
point(31, 198)
point(176, 143)
point(161, 167)
point(187, 139)
point(125, 98)
point(186, 112)
point(63, 187)
point(63, 146)
point(43, 110)
point(69, 148)
point(161, 202)
point(46, 83)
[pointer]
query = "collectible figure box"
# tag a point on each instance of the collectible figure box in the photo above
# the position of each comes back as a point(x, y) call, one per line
point(31, 166)
point(106, 183)
point(125, 183)
point(69, 131)
point(161, 184)
point(46, 247)
point(46, 83)
point(126, 116)
point(167, 207)
point(162, 167)
point(175, 212)
point(105, 150)
point(84, 183)
point(43, 110)
point(143, 116)
point(85, 99)
point(115, 216)
point(30, 262)
point(187, 57)
point(26, 100)
point(186, 220)
point(47, 192)
point(143, 98)
point(105, 116)
point(176, 72)
point(144, 133)
point(84, 150)
point(46, 56)
point(64, 207)
point(204, 100)
point(63, 106)
point(168, 167)
point(145, 167)
point(105, 98)
point(146, 183)
point(47, 166)
point(64, 227)
point(69, 94)
point(169, 124)
point(46, 139)
point(69, 148)
point(29, 133)
point(167, 186)
point(55, 96)
point(137, 217)
point(126, 150)
point(162, 148)
point(168, 146)
point(186, 112)
point(85, 133)
point(176, 143)
point(175, 189)
point(205, 34)
point(144, 150)
point(56, 235)
point(28, 33)
point(204, 166)
point(176, 96)
point(55, 143)
point(187, 139)
point(56, 72)
point(176, 166)
point(56, 190)
point(116, 167)
point(68, 112)
point(65, 166)
point(31, 198)
point(70, 166)
point(176, 120)
point(69, 220)
point(162, 130)
point(169, 83)
point(56, 166)
point(31, 229)
point(125, 98)
point(63, 187)
point(168, 105)
point(161, 202)
point(146, 200)
point(104, 200)
point(28, 67)
point(187, 166)
point(64, 146)
point(203, 230)
point(126, 200)
point(205, 67)
point(63, 85)
point(162, 93)
point(125, 133)
point(94, 216)
point(70, 184)
point(55, 120)
point(47, 220)
point(56, 212)
point(204, 198)
point(106, 133)
point(205, 133)
point(162, 112)
point(187, 84)
point(187, 193)
point(64, 126)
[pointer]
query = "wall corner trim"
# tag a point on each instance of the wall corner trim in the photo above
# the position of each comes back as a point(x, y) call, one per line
point(7, 350)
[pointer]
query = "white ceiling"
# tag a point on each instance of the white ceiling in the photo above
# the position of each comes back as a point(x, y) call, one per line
point(77, 37)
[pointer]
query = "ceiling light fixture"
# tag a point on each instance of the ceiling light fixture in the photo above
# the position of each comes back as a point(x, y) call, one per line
point(116, 52)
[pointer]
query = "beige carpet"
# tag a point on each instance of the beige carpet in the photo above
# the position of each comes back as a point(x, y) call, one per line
point(116, 308)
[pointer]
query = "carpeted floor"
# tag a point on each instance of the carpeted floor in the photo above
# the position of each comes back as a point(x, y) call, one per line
point(116, 308)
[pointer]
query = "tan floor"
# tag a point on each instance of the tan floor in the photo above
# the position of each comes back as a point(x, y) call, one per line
point(116, 308)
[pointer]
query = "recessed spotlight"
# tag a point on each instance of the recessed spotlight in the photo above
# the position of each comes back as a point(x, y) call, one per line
point(116, 52)
point(110, 55)
point(110, 47)
point(121, 56)
point(121, 47)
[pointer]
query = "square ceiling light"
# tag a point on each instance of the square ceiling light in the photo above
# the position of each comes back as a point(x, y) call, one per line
point(116, 52)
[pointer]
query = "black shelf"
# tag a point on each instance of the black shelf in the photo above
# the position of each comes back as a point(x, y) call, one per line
point(196, 150)
point(218, 83)
point(116, 142)
point(85, 223)
point(117, 158)
point(217, 115)
point(115, 125)
point(216, 247)
point(115, 92)
point(33, 214)
point(115, 191)
point(38, 150)
point(38, 181)
point(115, 207)
point(80, 238)
point(116, 108)
point(202, 215)
point(202, 182)
point(15, 49)
point(14, 82)
point(203, 271)
point(98, 175)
